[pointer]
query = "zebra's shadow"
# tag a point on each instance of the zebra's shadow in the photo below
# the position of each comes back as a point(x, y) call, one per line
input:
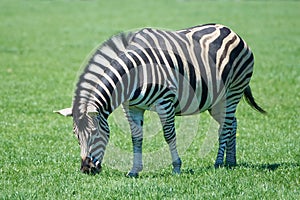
point(257, 166)
point(263, 167)
point(269, 166)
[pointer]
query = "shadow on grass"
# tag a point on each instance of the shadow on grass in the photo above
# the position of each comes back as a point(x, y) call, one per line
point(188, 171)
point(269, 166)
point(258, 167)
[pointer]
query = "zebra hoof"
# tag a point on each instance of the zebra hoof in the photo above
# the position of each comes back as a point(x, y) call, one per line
point(230, 164)
point(132, 175)
point(176, 166)
point(176, 171)
point(218, 165)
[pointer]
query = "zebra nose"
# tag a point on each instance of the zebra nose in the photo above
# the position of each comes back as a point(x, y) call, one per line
point(89, 167)
point(85, 165)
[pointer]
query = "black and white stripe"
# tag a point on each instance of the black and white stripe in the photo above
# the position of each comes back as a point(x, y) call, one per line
point(181, 72)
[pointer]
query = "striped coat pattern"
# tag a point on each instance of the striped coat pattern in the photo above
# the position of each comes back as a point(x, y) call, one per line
point(184, 72)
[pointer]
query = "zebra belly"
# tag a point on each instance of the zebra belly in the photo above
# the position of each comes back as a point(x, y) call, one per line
point(183, 107)
point(185, 102)
point(191, 106)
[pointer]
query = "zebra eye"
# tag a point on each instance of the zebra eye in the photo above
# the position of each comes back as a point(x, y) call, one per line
point(75, 131)
point(77, 136)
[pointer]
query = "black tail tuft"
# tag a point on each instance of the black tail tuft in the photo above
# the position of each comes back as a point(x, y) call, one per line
point(250, 100)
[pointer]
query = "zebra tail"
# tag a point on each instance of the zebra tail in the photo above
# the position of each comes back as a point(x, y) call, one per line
point(250, 100)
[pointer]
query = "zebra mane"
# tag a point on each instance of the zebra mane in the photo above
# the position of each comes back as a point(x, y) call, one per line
point(106, 52)
point(86, 87)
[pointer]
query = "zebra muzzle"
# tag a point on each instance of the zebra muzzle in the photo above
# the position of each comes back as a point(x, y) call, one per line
point(90, 166)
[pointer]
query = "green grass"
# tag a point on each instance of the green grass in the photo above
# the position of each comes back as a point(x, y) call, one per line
point(42, 45)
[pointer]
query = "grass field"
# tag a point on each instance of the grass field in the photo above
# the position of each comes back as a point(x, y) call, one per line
point(42, 45)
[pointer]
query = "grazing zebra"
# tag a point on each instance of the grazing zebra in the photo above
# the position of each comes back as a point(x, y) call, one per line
point(206, 67)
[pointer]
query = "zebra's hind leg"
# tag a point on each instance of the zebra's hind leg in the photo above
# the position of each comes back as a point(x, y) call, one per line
point(135, 117)
point(227, 131)
point(231, 146)
point(166, 114)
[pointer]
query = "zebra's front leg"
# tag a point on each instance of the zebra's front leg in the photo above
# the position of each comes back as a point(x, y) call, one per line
point(137, 167)
point(135, 117)
point(166, 113)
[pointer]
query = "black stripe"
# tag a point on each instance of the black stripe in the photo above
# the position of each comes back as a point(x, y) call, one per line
point(224, 53)
point(244, 67)
point(197, 35)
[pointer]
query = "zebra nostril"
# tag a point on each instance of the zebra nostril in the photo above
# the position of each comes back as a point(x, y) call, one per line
point(85, 165)
point(89, 167)
point(85, 169)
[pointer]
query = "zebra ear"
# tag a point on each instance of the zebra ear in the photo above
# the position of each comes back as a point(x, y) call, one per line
point(67, 112)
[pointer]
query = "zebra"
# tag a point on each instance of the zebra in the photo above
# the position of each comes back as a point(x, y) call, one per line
point(174, 73)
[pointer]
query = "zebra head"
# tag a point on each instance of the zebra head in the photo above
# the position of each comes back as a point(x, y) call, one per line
point(92, 132)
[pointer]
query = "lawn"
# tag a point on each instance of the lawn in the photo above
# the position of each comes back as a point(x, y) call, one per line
point(42, 46)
